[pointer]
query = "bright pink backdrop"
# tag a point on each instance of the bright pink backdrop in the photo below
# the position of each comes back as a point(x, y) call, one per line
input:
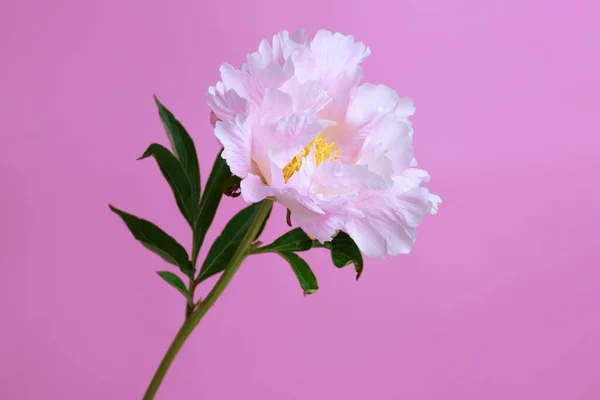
point(499, 299)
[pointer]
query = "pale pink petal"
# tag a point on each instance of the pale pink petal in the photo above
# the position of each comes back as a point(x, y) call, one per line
point(237, 144)
point(371, 103)
point(315, 222)
point(387, 143)
point(334, 53)
point(274, 75)
point(226, 104)
point(276, 104)
point(254, 189)
point(390, 222)
point(213, 118)
point(245, 85)
point(308, 97)
point(280, 141)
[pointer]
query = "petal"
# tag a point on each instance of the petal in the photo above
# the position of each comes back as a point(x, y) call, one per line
point(371, 103)
point(373, 128)
point(226, 104)
point(254, 189)
point(274, 75)
point(388, 143)
point(434, 203)
point(334, 53)
point(389, 225)
point(278, 142)
point(308, 97)
point(334, 178)
point(276, 104)
point(236, 139)
point(310, 217)
point(285, 45)
point(245, 85)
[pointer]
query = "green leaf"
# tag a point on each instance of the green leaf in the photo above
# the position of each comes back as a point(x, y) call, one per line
point(344, 251)
point(175, 175)
point(183, 147)
point(157, 241)
point(174, 281)
point(210, 201)
point(305, 276)
point(227, 243)
point(294, 240)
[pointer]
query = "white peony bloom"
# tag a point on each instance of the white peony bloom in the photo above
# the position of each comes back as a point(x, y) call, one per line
point(297, 126)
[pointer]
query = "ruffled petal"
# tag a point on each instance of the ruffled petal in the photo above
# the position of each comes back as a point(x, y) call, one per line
point(226, 104)
point(237, 144)
point(390, 222)
point(334, 53)
point(254, 189)
point(308, 97)
point(279, 141)
point(312, 219)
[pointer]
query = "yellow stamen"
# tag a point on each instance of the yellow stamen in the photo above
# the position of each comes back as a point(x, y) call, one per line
point(323, 150)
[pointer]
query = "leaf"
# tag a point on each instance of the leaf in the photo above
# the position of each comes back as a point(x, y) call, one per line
point(210, 201)
point(176, 177)
point(174, 281)
point(294, 240)
point(227, 243)
point(305, 276)
point(157, 241)
point(183, 147)
point(344, 251)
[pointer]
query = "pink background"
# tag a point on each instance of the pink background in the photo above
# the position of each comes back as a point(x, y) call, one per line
point(499, 299)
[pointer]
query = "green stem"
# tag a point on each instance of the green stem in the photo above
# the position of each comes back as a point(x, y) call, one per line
point(189, 307)
point(194, 318)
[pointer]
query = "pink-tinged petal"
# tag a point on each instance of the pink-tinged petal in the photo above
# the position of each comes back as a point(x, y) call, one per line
point(334, 53)
point(333, 178)
point(254, 189)
point(274, 75)
point(387, 143)
point(276, 104)
point(300, 37)
point(308, 97)
point(237, 144)
point(368, 238)
point(280, 141)
point(371, 103)
point(213, 118)
point(245, 85)
point(376, 159)
point(314, 221)
point(372, 128)
point(226, 104)
point(404, 108)
point(390, 221)
point(348, 137)
point(434, 203)
point(410, 179)
point(284, 45)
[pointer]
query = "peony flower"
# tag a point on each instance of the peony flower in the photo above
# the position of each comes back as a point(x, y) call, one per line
point(297, 126)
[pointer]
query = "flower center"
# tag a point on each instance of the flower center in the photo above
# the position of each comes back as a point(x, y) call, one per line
point(323, 150)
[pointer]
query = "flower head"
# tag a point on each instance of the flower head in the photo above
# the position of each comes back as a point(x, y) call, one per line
point(297, 126)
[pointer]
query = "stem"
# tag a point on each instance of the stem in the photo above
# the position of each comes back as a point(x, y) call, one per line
point(189, 307)
point(194, 318)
